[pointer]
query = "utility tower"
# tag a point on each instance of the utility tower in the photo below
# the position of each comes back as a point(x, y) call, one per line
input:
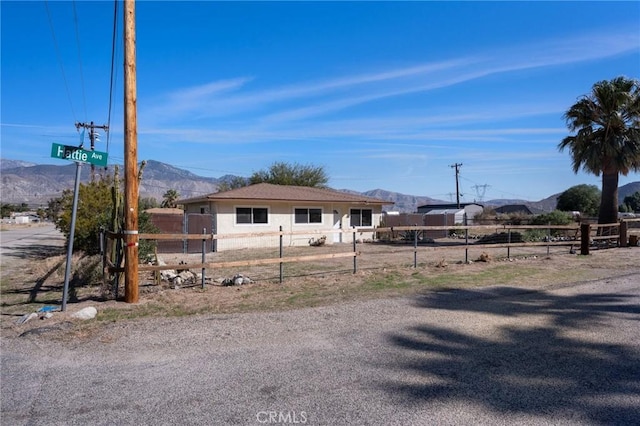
point(457, 167)
point(93, 137)
point(479, 193)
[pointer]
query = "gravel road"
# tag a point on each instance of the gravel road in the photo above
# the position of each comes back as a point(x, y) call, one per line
point(563, 355)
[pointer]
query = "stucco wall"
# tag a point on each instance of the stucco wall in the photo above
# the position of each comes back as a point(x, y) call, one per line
point(282, 214)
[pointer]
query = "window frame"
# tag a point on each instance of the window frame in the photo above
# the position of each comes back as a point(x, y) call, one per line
point(359, 215)
point(308, 215)
point(253, 215)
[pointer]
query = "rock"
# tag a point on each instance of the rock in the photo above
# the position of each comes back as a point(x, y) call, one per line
point(186, 276)
point(47, 315)
point(85, 313)
point(168, 274)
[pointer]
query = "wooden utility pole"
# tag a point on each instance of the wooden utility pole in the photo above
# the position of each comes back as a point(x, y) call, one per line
point(457, 167)
point(130, 156)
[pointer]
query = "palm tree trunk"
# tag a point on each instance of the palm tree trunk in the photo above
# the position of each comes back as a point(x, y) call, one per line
point(609, 201)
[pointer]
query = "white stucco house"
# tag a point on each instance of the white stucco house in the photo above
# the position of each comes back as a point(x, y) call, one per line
point(266, 207)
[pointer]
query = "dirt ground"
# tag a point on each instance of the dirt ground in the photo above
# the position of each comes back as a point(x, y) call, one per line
point(381, 270)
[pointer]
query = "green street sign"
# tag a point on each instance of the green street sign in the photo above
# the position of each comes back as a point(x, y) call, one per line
point(74, 153)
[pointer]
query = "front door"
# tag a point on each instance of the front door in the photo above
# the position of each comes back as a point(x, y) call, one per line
point(337, 224)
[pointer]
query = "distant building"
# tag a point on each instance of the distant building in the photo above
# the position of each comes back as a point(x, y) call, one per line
point(518, 209)
point(471, 209)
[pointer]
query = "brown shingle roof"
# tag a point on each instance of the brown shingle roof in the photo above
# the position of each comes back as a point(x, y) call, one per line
point(271, 192)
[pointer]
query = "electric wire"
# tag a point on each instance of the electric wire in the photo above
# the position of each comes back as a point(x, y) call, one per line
point(59, 57)
point(84, 97)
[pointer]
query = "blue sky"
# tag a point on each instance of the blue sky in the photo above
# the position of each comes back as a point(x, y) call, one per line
point(382, 95)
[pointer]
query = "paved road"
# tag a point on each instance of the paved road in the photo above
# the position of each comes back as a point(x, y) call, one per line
point(568, 355)
point(29, 241)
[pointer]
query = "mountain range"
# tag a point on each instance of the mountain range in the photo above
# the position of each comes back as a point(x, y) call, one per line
point(36, 184)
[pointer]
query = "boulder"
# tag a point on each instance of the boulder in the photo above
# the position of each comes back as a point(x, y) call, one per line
point(85, 313)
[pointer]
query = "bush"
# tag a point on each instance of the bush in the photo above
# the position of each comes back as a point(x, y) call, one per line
point(95, 212)
point(556, 217)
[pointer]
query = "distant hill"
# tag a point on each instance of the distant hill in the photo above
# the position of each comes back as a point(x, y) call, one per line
point(36, 184)
point(402, 202)
point(10, 164)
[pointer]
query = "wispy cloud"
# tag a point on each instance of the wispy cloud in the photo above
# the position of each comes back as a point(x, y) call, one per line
point(291, 111)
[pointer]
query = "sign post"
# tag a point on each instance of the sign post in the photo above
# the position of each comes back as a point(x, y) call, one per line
point(74, 211)
point(80, 156)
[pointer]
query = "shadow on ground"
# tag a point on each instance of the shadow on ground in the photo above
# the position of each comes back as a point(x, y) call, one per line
point(553, 365)
point(35, 252)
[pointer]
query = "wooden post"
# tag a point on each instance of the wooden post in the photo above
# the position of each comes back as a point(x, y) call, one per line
point(415, 248)
point(355, 252)
point(585, 237)
point(130, 157)
point(204, 251)
point(623, 233)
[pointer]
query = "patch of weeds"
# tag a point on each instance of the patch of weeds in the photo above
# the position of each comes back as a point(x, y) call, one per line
point(387, 281)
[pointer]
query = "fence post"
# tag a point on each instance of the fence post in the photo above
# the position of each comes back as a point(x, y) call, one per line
point(281, 264)
point(355, 256)
point(103, 254)
point(548, 237)
point(466, 239)
point(585, 236)
point(623, 233)
point(509, 244)
point(415, 248)
point(204, 251)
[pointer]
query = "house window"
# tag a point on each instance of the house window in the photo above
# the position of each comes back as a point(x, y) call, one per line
point(361, 217)
point(252, 215)
point(308, 215)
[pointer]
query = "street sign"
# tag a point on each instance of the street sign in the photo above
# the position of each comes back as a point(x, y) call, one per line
point(74, 153)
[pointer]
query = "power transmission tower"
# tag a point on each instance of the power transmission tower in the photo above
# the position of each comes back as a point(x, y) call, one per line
point(484, 190)
point(93, 137)
point(457, 167)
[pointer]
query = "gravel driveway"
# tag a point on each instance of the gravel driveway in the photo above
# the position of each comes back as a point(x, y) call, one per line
point(500, 355)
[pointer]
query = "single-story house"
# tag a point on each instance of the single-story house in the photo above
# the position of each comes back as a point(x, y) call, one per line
point(266, 207)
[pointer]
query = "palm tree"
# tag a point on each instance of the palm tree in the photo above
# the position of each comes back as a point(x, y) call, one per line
point(607, 139)
point(169, 198)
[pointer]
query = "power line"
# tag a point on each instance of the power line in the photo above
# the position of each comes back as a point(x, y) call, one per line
point(75, 21)
point(55, 45)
